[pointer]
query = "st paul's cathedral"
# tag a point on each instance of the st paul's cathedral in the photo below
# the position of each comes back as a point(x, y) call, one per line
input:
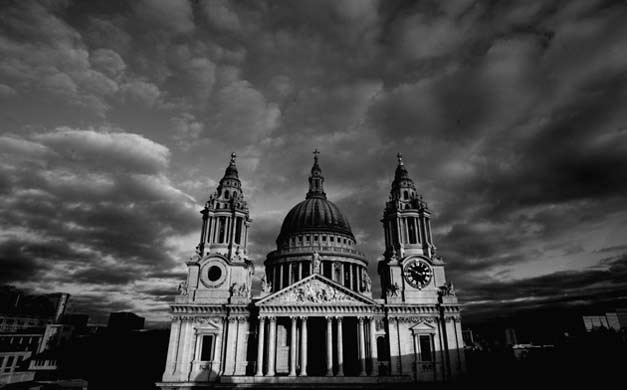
point(315, 320)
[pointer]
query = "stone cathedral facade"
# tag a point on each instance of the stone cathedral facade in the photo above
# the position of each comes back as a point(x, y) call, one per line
point(315, 319)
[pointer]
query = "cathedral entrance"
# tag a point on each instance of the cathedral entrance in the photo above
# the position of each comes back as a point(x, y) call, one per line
point(316, 346)
point(351, 352)
point(317, 343)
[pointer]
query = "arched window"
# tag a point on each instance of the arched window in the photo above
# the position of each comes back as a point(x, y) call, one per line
point(226, 194)
point(405, 195)
point(238, 230)
point(221, 229)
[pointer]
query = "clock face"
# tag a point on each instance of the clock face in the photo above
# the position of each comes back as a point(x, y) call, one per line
point(417, 273)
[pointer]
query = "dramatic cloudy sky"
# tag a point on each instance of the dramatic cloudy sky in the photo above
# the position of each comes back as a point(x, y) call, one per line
point(117, 119)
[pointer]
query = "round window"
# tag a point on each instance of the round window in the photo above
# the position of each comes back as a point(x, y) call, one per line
point(214, 273)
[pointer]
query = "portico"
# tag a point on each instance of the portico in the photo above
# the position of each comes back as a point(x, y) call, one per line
point(317, 327)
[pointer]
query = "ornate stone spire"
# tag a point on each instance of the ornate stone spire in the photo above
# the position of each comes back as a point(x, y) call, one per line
point(316, 180)
point(229, 192)
point(401, 172)
point(402, 181)
point(231, 170)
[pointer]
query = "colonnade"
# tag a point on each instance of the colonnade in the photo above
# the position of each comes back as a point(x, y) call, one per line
point(334, 356)
point(345, 273)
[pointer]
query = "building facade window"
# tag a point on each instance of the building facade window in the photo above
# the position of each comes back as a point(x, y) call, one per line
point(206, 348)
point(425, 348)
point(412, 231)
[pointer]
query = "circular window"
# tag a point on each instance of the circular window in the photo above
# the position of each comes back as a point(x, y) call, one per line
point(214, 273)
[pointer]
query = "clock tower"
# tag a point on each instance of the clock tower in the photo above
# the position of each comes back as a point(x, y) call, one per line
point(411, 271)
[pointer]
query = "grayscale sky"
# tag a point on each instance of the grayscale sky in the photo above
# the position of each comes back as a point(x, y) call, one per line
point(117, 119)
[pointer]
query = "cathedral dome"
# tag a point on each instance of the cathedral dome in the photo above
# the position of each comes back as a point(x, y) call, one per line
point(315, 214)
point(316, 229)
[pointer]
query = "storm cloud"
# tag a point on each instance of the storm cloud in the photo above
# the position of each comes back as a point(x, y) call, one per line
point(118, 118)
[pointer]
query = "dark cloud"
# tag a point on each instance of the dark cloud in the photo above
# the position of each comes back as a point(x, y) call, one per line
point(17, 263)
point(107, 276)
point(122, 116)
point(96, 209)
point(588, 290)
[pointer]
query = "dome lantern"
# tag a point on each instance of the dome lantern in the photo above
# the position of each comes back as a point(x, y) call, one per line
point(316, 181)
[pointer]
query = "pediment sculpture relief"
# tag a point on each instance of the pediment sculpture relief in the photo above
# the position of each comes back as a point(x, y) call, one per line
point(315, 293)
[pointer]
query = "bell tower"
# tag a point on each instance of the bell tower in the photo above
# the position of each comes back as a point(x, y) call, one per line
point(221, 271)
point(410, 270)
point(225, 218)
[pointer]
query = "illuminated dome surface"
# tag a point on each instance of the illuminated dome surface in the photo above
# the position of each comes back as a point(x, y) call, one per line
point(315, 214)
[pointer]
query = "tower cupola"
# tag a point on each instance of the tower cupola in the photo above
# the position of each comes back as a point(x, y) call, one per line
point(226, 217)
point(406, 218)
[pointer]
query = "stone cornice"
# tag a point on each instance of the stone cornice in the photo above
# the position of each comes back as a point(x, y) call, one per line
point(321, 311)
point(182, 311)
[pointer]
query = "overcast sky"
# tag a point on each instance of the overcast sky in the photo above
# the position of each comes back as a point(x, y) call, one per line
point(117, 119)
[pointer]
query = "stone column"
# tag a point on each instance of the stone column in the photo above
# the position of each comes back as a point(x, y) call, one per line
point(362, 347)
point(246, 235)
point(329, 346)
point(232, 229)
point(300, 270)
point(350, 276)
point(303, 346)
point(231, 346)
point(340, 348)
point(272, 347)
point(416, 231)
point(373, 347)
point(260, 342)
point(293, 349)
point(227, 230)
point(243, 334)
point(173, 345)
point(185, 354)
point(395, 353)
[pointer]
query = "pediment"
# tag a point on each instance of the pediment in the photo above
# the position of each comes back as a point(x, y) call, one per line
point(315, 290)
point(203, 324)
point(423, 327)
